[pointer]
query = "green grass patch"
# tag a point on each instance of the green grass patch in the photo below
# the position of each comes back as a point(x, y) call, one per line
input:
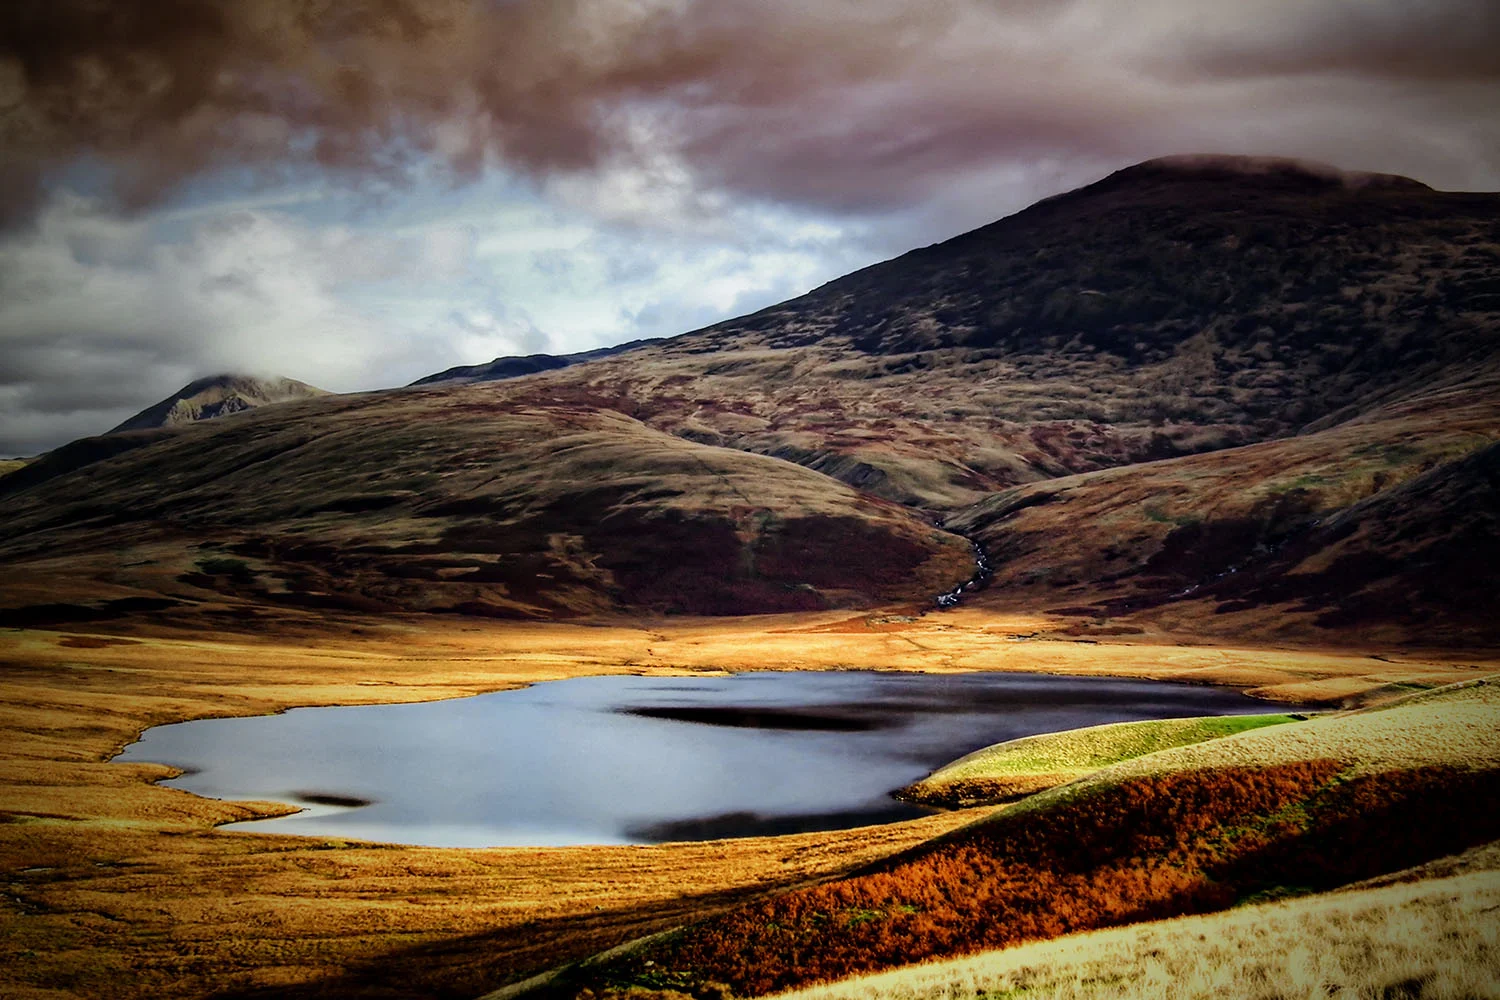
point(1155, 512)
point(1083, 750)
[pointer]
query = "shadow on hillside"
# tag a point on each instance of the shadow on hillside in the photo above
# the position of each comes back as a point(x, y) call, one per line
point(471, 965)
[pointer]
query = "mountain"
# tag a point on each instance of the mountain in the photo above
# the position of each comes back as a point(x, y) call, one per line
point(217, 396)
point(1175, 307)
point(451, 502)
point(1243, 398)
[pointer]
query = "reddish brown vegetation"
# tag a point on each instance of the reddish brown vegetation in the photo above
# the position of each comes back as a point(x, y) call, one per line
point(1154, 847)
point(1370, 825)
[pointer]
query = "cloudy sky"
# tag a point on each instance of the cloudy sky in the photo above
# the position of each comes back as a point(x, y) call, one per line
point(360, 193)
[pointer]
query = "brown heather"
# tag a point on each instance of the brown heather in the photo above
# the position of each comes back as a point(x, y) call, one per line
point(1150, 848)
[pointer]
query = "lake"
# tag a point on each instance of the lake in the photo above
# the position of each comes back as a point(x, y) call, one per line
point(608, 760)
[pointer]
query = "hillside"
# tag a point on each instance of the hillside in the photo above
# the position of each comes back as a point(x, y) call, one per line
point(217, 396)
point(1283, 810)
point(448, 502)
point(1254, 399)
point(1435, 937)
point(1172, 308)
point(1386, 526)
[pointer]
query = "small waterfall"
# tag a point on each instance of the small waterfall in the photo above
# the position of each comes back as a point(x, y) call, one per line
point(977, 582)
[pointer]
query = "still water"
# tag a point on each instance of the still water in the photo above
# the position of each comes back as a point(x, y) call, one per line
point(600, 760)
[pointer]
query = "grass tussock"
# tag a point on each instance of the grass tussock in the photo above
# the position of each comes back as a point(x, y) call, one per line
point(1152, 847)
point(1434, 939)
point(1019, 767)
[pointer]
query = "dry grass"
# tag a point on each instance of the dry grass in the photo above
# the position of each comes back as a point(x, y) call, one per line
point(1277, 810)
point(1455, 726)
point(1019, 767)
point(1432, 939)
point(113, 885)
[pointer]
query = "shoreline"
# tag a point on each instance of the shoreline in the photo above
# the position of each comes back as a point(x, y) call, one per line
point(723, 711)
point(1077, 658)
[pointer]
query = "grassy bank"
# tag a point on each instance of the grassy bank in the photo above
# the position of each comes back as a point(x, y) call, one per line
point(1435, 938)
point(1017, 768)
point(1281, 810)
point(112, 885)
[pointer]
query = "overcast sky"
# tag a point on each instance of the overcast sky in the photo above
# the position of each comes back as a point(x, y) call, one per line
point(361, 193)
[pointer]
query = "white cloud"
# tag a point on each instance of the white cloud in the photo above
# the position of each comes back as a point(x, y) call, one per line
point(102, 315)
point(96, 318)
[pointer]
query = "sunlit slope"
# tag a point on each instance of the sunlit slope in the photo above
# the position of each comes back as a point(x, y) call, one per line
point(1017, 768)
point(219, 396)
point(452, 501)
point(1431, 938)
point(1279, 810)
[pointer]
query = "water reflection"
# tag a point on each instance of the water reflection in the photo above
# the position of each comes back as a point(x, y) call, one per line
point(639, 759)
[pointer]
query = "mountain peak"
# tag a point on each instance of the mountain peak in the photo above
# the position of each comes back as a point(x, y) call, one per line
point(216, 396)
point(1303, 173)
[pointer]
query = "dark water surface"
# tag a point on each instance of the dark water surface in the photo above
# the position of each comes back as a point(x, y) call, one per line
point(599, 760)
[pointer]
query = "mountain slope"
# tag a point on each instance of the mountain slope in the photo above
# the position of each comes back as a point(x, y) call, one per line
point(1242, 398)
point(1384, 527)
point(1173, 308)
point(217, 396)
point(444, 501)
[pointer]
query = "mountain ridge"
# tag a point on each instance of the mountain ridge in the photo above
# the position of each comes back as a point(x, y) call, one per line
point(516, 366)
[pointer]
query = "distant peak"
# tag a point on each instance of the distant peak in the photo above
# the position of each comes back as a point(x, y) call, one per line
point(236, 380)
point(216, 396)
point(1211, 166)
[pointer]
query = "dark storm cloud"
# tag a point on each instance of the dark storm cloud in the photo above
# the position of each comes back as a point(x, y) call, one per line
point(1443, 40)
point(844, 105)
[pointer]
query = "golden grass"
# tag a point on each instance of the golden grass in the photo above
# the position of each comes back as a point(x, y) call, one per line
point(973, 890)
point(1437, 938)
point(1454, 726)
point(1019, 767)
point(115, 886)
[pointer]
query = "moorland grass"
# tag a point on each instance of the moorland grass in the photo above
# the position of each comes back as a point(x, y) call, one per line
point(1019, 767)
point(1148, 848)
point(1288, 810)
point(1434, 938)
